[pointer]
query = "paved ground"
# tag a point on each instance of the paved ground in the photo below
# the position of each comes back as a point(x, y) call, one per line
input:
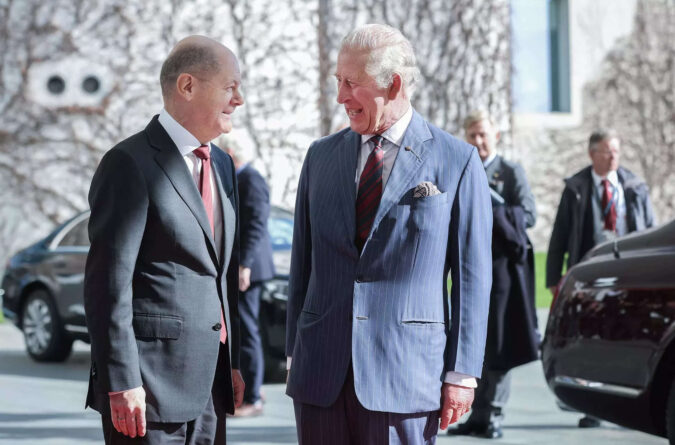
point(43, 404)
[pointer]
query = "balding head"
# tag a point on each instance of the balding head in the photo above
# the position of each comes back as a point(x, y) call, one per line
point(197, 55)
point(200, 86)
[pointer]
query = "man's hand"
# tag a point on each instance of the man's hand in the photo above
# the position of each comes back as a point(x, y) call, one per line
point(455, 402)
point(244, 278)
point(127, 410)
point(238, 386)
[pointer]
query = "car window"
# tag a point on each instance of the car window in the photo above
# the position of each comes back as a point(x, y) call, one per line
point(281, 232)
point(77, 236)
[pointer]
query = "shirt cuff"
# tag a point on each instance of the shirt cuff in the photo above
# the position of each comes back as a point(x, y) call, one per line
point(459, 379)
point(288, 363)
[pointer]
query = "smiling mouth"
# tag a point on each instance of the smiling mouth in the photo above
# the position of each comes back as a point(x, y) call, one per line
point(353, 113)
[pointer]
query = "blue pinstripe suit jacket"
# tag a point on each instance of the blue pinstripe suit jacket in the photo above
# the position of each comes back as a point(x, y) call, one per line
point(387, 310)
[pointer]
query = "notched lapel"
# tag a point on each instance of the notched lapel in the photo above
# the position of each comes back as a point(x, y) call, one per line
point(228, 214)
point(171, 162)
point(407, 163)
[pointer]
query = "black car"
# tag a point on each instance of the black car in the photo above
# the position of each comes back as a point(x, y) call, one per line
point(609, 348)
point(42, 291)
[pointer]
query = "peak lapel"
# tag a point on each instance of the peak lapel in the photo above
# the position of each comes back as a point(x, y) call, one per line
point(170, 160)
point(405, 166)
point(347, 155)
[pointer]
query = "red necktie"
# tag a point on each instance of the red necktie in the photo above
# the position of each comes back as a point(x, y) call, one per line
point(207, 197)
point(370, 192)
point(608, 206)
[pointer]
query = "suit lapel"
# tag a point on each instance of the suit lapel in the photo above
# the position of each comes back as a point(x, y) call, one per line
point(170, 160)
point(407, 163)
point(347, 153)
point(494, 167)
point(228, 215)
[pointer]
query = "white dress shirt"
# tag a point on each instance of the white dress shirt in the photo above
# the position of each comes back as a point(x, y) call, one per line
point(186, 144)
point(489, 159)
point(599, 233)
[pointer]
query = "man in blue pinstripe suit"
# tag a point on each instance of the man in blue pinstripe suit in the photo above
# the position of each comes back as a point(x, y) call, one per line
point(385, 211)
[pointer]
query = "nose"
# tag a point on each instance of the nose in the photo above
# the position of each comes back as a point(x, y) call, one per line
point(342, 95)
point(238, 98)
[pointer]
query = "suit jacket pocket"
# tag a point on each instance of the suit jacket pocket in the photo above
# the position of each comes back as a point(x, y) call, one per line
point(431, 212)
point(157, 326)
point(423, 323)
point(430, 201)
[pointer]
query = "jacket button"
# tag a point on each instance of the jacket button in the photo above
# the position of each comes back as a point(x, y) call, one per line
point(217, 327)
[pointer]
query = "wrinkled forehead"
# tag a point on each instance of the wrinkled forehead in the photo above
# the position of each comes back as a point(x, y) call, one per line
point(352, 63)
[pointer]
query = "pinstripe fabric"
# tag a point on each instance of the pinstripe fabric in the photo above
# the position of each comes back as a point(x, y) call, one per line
point(347, 422)
point(387, 309)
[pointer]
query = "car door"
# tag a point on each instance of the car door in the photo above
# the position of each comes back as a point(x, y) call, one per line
point(66, 262)
point(616, 316)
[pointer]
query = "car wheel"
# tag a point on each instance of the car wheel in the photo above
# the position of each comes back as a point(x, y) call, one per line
point(670, 415)
point(45, 338)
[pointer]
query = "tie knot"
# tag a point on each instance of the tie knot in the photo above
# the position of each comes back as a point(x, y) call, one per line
point(377, 140)
point(202, 152)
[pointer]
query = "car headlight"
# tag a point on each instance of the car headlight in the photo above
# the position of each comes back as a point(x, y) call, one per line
point(276, 289)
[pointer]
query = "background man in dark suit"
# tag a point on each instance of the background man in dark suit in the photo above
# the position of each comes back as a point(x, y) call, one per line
point(599, 203)
point(255, 265)
point(513, 338)
point(385, 210)
point(162, 273)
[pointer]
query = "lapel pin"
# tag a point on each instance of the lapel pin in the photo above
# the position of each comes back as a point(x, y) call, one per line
point(408, 148)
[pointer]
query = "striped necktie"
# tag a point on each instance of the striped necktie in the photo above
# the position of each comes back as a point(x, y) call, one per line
point(370, 192)
point(609, 205)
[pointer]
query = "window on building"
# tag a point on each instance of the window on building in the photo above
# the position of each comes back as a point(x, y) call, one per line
point(540, 56)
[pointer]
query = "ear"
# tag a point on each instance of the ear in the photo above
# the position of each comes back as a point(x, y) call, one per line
point(498, 136)
point(185, 84)
point(396, 86)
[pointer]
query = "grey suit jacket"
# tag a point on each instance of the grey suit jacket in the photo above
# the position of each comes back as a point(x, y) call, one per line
point(509, 180)
point(155, 280)
point(387, 310)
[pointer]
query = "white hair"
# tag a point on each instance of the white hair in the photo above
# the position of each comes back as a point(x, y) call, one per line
point(240, 143)
point(389, 53)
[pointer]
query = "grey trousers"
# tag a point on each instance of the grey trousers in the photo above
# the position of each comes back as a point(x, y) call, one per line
point(347, 422)
point(491, 395)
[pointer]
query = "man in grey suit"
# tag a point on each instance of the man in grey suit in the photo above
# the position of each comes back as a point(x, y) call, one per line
point(513, 338)
point(385, 210)
point(162, 273)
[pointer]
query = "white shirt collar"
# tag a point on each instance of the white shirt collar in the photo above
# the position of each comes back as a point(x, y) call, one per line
point(489, 159)
point(183, 139)
point(395, 133)
point(612, 177)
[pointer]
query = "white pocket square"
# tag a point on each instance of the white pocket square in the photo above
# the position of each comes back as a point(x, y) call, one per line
point(425, 189)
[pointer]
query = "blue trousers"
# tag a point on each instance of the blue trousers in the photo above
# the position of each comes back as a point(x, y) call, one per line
point(252, 365)
point(347, 422)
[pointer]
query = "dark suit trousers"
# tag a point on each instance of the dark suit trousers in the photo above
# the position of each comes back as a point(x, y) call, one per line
point(251, 352)
point(347, 422)
point(491, 395)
